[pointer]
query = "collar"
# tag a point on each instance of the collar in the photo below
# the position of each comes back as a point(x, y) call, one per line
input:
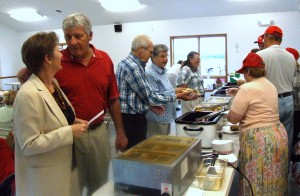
point(137, 60)
point(68, 57)
point(158, 69)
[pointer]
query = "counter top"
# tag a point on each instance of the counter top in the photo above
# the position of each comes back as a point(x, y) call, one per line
point(108, 188)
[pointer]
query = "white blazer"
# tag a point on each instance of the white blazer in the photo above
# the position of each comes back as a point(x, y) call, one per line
point(43, 142)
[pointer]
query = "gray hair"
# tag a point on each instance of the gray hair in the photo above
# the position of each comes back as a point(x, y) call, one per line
point(140, 41)
point(158, 48)
point(77, 19)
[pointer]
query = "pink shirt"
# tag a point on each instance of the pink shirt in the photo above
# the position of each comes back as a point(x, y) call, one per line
point(257, 101)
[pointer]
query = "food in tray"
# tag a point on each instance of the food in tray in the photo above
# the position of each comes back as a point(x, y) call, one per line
point(191, 90)
point(219, 100)
point(208, 108)
point(234, 127)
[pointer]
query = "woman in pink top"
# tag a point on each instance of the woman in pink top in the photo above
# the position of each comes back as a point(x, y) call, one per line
point(263, 139)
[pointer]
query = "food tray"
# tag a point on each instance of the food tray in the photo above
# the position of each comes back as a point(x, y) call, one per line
point(218, 100)
point(209, 107)
point(212, 182)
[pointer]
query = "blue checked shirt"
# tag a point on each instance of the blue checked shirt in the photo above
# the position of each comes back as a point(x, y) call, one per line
point(159, 82)
point(135, 93)
point(192, 79)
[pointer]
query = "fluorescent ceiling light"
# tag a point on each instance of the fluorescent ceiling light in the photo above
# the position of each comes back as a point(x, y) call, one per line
point(121, 5)
point(26, 15)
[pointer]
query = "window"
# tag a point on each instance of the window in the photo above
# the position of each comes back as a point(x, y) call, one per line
point(213, 54)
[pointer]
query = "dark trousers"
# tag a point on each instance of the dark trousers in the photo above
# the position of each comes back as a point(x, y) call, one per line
point(135, 126)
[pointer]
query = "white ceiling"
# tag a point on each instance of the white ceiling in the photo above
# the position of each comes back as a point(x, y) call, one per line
point(154, 10)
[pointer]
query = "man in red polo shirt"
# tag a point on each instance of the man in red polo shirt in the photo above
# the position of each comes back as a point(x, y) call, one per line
point(88, 80)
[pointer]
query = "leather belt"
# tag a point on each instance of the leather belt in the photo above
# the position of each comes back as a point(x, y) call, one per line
point(284, 95)
point(95, 126)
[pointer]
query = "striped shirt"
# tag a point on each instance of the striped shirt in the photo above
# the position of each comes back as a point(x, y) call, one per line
point(135, 93)
point(192, 79)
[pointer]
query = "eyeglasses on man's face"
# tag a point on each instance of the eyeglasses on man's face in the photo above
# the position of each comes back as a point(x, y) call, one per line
point(151, 51)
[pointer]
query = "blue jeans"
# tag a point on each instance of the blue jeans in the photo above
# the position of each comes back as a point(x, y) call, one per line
point(286, 115)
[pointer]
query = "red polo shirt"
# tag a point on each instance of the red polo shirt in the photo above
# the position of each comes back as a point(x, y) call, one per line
point(88, 87)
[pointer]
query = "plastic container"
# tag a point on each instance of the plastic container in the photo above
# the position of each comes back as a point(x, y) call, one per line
point(208, 181)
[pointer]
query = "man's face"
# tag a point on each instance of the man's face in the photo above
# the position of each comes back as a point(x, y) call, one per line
point(146, 52)
point(78, 41)
point(261, 46)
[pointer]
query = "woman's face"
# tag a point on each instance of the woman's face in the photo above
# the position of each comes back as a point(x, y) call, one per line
point(161, 59)
point(195, 60)
point(56, 59)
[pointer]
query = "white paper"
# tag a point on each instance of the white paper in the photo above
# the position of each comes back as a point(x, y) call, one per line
point(95, 117)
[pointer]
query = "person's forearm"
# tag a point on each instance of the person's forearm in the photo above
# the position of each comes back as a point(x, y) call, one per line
point(115, 113)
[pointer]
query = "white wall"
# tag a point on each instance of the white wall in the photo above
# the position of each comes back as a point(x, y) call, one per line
point(9, 54)
point(242, 30)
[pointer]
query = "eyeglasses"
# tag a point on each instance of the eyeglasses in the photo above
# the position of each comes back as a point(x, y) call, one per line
point(163, 56)
point(151, 51)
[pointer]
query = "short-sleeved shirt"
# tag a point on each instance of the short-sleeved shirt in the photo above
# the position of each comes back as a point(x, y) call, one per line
point(192, 79)
point(88, 87)
point(257, 101)
point(135, 93)
point(159, 82)
point(280, 67)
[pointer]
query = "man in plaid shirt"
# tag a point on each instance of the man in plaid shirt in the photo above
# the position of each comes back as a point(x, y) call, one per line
point(136, 97)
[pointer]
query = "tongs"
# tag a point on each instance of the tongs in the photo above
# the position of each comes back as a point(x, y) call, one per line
point(208, 116)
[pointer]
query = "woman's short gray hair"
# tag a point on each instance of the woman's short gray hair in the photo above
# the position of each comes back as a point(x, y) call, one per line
point(140, 41)
point(158, 48)
point(77, 19)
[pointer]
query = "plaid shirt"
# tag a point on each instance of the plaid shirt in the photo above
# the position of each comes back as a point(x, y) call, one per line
point(135, 93)
point(192, 79)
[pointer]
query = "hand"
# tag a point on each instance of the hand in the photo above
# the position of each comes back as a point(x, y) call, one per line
point(121, 142)
point(187, 96)
point(80, 121)
point(79, 129)
point(232, 91)
point(23, 75)
point(179, 89)
point(157, 109)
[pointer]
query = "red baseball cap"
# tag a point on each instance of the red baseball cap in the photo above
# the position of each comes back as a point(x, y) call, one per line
point(251, 60)
point(274, 30)
point(294, 52)
point(260, 39)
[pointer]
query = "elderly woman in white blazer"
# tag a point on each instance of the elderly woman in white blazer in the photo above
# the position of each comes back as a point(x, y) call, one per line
point(44, 123)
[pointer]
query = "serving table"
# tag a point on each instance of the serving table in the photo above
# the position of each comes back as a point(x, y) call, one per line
point(108, 188)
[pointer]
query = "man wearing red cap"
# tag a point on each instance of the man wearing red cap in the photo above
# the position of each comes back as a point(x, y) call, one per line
point(260, 42)
point(280, 69)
